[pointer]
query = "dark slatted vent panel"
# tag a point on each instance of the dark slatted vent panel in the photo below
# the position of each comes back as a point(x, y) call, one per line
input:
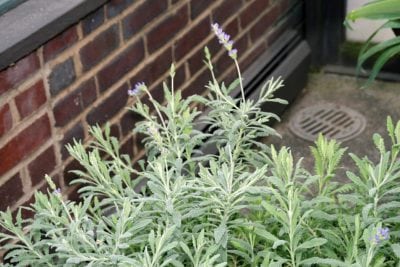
point(333, 121)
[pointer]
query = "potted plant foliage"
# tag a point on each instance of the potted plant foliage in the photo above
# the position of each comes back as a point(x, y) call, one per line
point(388, 10)
point(249, 204)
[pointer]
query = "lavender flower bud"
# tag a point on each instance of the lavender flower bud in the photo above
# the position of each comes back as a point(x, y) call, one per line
point(224, 39)
point(57, 192)
point(233, 53)
point(381, 235)
point(137, 89)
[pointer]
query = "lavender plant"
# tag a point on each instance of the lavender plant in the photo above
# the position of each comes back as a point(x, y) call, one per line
point(248, 204)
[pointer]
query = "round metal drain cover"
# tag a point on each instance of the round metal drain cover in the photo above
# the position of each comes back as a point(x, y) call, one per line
point(332, 120)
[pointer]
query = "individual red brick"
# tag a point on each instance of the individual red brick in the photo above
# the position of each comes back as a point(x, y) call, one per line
point(284, 6)
point(154, 69)
point(222, 64)
point(77, 133)
point(60, 43)
point(198, 7)
point(73, 194)
point(139, 142)
point(93, 21)
point(5, 119)
point(158, 95)
point(114, 131)
point(142, 15)
point(232, 29)
point(167, 29)
point(69, 176)
point(251, 12)
point(128, 121)
point(264, 23)
point(120, 65)
point(158, 91)
point(73, 104)
point(255, 53)
point(196, 61)
point(24, 143)
point(192, 38)
point(242, 44)
point(14, 75)
point(43, 164)
point(10, 192)
point(180, 77)
point(229, 78)
point(62, 76)
point(87, 92)
point(31, 99)
point(127, 147)
point(225, 10)
point(100, 47)
point(109, 107)
point(198, 85)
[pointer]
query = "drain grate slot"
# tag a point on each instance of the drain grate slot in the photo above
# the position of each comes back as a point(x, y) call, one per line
point(333, 121)
point(340, 120)
point(324, 114)
point(318, 129)
point(312, 125)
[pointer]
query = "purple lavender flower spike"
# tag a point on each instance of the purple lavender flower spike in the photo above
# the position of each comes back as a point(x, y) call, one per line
point(381, 235)
point(384, 232)
point(137, 89)
point(57, 191)
point(131, 92)
point(224, 39)
point(233, 53)
point(215, 26)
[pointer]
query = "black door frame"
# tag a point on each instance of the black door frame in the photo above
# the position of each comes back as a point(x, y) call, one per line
point(324, 29)
point(326, 34)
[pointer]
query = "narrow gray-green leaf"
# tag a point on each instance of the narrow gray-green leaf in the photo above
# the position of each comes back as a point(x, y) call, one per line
point(316, 242)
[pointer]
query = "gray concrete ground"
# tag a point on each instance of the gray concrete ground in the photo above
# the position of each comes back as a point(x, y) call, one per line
point(375, 103)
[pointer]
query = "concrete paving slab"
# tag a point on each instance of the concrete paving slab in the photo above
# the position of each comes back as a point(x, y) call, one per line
point(382, 99)
point(363, 28)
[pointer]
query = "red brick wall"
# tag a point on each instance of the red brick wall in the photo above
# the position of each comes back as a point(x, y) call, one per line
point(81, 77)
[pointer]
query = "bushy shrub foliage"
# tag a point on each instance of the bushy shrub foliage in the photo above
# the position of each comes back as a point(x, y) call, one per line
point(249, 204)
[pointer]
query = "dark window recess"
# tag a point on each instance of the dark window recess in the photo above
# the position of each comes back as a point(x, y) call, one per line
point(6, 5)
